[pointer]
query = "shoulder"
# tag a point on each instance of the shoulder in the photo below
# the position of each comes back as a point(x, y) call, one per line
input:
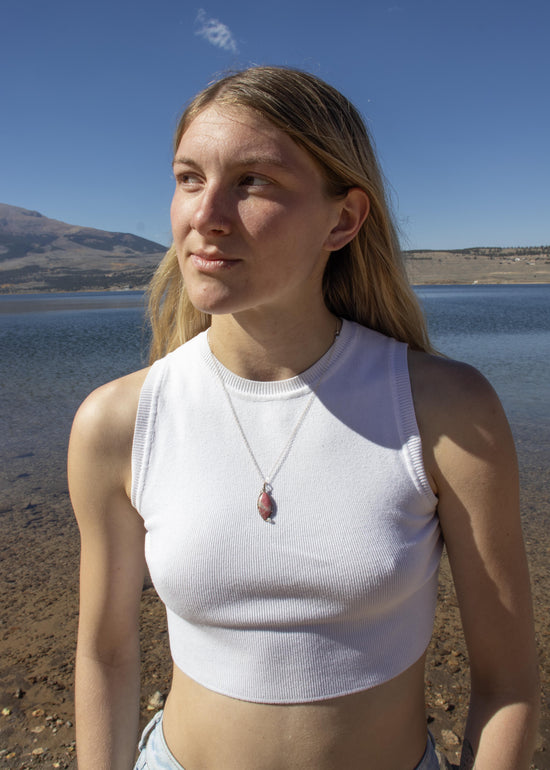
point(103, 426)
point(459, 415)
point(443, 389)
point(111, 409)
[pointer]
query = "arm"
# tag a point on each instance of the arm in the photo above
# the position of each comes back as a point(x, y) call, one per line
point(471, 457)
point(111, 577)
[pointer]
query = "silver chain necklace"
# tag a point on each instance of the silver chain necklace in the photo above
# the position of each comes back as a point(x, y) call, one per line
point(265, 502)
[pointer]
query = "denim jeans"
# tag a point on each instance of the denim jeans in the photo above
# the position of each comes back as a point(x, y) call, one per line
point(155, 754)
point(430, 760)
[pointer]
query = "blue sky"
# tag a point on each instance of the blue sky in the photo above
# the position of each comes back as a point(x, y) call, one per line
point(455, 92)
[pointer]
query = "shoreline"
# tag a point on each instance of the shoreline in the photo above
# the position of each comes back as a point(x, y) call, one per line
point(125, 290)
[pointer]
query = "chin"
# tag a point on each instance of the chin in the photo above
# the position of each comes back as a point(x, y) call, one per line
point(212, 304)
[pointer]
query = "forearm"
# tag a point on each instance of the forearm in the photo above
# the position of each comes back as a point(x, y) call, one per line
point(500, 734)
point(107, 713)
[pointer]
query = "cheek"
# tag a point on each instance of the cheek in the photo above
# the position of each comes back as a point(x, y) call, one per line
point(178, 216)
point(259, 217)
point(173, 215)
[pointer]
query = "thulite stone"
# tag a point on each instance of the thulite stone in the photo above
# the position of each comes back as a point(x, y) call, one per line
point(265, 506)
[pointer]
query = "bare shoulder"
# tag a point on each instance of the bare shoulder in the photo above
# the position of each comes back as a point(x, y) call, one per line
point(452, 395)
point(440, 383)
point(100, 446)
point(108, 414)
point(459, 416)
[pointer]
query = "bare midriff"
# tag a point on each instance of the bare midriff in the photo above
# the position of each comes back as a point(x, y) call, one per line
point(383, 728)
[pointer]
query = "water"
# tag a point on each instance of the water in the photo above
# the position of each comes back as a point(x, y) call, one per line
point(504, 331)
point(56, 348)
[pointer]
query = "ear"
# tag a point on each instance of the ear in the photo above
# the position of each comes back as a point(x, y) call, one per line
point(354, 209)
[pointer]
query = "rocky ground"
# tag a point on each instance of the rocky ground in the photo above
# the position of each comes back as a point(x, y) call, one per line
point(38, 611)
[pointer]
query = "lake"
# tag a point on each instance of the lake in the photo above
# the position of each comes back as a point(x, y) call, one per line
point(55, 348)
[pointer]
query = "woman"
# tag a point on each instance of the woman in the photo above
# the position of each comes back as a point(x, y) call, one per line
point(291, 472)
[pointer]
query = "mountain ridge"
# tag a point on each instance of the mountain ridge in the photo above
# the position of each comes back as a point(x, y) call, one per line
point(40, 254)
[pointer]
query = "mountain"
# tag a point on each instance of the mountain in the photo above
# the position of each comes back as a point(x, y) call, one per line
point(42, 254)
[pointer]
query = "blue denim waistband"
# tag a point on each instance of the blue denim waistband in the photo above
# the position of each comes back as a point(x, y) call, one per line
point(154, 751)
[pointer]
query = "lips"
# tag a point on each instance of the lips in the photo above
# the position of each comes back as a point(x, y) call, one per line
point(210, 262)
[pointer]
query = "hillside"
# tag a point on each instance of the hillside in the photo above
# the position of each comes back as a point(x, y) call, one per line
point(41, 254)
point(480, 265)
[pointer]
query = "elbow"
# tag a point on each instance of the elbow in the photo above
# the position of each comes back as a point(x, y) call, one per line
point(109, 654)
point(521, 697)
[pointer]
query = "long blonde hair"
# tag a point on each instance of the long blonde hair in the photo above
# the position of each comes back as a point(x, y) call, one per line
point(366, 280)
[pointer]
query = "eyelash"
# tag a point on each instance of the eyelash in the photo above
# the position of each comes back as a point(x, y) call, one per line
point(262, 180)
point(248, 180)
point(184, 178)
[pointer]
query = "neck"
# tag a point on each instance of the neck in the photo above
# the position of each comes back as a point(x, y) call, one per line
point(271, 349)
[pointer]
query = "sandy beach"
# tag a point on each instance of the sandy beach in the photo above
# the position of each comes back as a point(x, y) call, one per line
point(39, 611)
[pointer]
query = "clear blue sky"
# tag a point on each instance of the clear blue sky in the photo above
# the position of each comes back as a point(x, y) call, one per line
point(456, 93)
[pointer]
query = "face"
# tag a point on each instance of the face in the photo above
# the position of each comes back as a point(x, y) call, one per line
point(250, 217)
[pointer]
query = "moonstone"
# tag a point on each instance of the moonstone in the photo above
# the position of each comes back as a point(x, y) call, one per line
point(265, 506)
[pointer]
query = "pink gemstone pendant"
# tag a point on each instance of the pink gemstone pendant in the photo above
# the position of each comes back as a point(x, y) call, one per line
point(265, 505)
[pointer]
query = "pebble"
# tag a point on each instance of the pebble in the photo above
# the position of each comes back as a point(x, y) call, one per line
point(6, 712)
point(449, 738)
point(38, 751)
point(156, 701)
point(38, 713)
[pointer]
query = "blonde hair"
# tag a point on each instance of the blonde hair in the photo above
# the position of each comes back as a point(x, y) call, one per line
point(366, 280)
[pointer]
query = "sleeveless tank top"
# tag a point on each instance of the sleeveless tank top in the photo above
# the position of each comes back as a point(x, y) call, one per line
point(338, 593)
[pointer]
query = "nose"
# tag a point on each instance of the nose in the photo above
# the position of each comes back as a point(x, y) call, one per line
point(211, 212)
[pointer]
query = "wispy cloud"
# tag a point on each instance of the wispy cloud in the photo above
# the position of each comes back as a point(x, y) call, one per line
point(215, 32)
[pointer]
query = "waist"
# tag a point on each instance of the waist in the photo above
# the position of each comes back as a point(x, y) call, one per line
point(205, 729)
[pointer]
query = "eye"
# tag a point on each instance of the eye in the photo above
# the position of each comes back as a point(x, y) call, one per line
point(187, 179)
point(253, 180)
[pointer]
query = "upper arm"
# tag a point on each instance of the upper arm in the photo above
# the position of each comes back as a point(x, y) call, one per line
point(112, 533)
point(470, 456)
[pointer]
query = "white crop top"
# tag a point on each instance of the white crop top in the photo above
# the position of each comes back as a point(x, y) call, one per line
point(338, 593)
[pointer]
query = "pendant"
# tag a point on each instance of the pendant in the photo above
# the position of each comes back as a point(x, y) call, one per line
point(265, 504)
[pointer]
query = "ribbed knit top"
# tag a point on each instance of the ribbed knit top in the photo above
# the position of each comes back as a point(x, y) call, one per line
point(338, 593)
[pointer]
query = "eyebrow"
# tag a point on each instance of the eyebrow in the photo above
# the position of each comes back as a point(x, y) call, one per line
point(253, 160)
